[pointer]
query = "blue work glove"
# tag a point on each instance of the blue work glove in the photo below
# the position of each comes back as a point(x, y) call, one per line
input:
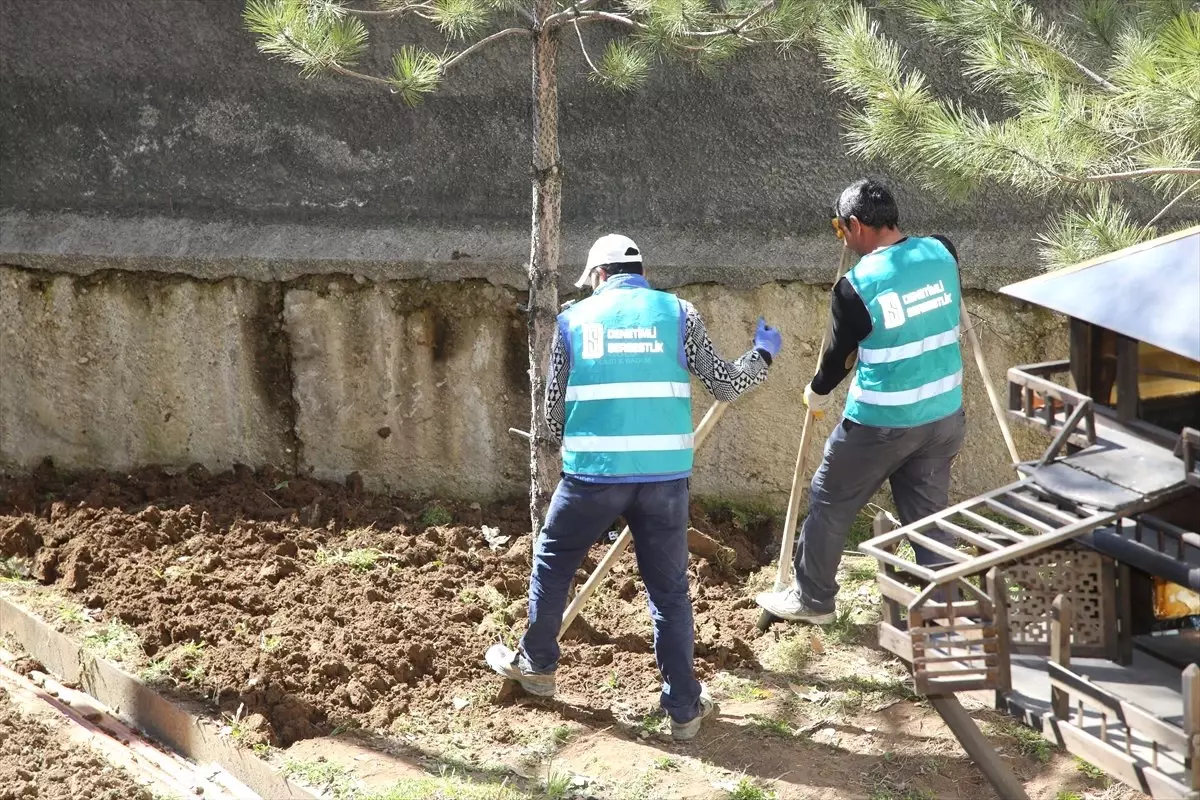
point(767, 338)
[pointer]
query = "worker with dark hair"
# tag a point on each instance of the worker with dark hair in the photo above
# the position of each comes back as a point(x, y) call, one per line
point(897, 313)
point(619, 398)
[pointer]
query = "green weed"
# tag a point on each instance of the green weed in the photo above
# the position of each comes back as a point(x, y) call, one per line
point(666, 764)
point(447, 786)
point(1066, 795)
point(791, 654)
point(900, 793)
point(269, 644)
point(72, 613)
point(772, 726)
point(1090, 770)
point(326, 776)
point(14, 570)
point(558, 785)
point(747, 789)
point(362, 559)
point(436, 515)
point(114, 641)
point(1030, 743)
point(156, 671)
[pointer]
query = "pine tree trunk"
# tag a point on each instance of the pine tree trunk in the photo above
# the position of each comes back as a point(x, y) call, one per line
point(543, 260)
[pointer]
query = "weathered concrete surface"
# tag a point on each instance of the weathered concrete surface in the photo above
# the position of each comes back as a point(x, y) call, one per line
point(164, 114)
point(412, 385)
point(119, 370)
point(752, 453)
point(83, 244)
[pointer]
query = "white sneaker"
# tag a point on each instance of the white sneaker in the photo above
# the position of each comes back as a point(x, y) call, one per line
point(788, 605)
point(686, 731)
point(506, 662)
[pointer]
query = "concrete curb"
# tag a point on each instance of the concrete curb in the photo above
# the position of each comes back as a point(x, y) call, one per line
point(146, 710)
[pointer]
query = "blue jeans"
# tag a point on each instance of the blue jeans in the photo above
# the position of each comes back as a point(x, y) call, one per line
point(657, 514)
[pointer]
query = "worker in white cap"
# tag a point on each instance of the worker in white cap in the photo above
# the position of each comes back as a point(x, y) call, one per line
point(619, 398)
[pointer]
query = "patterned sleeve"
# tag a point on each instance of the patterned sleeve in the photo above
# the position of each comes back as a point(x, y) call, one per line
point(725, 380)
point(556, 401)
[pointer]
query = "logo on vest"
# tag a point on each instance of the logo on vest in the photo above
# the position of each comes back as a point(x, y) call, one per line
point(593, 340)
point(893, 311)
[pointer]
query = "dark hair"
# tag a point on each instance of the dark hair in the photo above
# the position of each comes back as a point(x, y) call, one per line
point(622, 269)
point(870, 201)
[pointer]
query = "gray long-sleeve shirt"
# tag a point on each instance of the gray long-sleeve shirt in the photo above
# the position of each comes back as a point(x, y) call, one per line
point(725, 380)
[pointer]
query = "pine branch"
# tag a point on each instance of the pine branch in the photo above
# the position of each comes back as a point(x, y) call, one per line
point(584, 50)
point(1171, 204)
point(1131, 175)
point(482, 43)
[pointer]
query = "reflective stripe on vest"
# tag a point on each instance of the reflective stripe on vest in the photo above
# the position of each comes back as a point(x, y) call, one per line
point(628, 393)
point(885, 355)
point(909, 369)
point(906, 397)
point(628, 444)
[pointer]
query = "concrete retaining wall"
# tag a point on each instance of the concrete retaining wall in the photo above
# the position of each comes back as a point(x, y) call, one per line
point(413, 384)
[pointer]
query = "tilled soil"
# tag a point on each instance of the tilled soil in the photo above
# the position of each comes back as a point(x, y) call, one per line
point(305, 605)
point(36, 763)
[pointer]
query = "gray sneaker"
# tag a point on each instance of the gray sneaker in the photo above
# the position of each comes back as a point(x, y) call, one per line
point(788, 605)
point(507, 663)
point(686, 731)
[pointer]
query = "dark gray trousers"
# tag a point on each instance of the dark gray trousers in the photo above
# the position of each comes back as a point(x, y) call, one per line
point(858, 459)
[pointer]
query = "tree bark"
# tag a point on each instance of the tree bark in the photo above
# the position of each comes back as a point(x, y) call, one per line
point(543, 259)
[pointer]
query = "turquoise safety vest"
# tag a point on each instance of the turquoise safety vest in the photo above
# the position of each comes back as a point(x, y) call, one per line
point(628, 396)
point(909, 368)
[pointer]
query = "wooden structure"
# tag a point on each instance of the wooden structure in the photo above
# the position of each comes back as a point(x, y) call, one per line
point(1050, 590)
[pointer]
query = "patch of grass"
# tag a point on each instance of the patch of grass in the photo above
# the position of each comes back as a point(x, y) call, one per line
point(561, 734)
point(157, 671)
point(772, 726)
point(612, 682)
point(330, 778)
point(114, 641)
point(641, 788)
point(900, 793)
point(361, 559)
point(857, 571)
point(558, 785)
point(14, 570)
point(742, 690)
point(847, 627)
point(892, 687)
point(652, 723)
point(72, 613)
point(448, 786)
point(666, 763)
point(1090, 770)
point(860, 531)
point(791, 654)
point(1030, 743)
point(747, 789)
point(269, 644)
point(436, 515)
point(1066, 795)
point(742, 515)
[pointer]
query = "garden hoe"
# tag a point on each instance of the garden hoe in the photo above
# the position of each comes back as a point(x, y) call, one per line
point(783, 572)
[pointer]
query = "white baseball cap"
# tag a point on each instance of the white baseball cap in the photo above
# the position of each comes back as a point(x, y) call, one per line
point(612, 248)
